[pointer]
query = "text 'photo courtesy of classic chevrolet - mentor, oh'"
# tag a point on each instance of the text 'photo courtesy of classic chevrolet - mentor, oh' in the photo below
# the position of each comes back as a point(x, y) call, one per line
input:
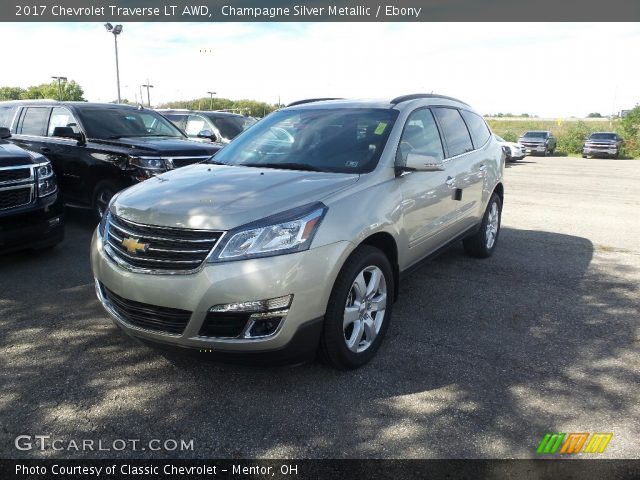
point(292, 239)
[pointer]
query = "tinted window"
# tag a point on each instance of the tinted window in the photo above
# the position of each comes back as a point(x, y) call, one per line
point(61, 117)
point(35, 121)
point(345, 140)
point(230, 127)
point(420, 135)
point(536, 135)
point(177, 119)
point(114, 123)
point(604, 136)
point(6, 115)
point(454, 130)
point(480, 133)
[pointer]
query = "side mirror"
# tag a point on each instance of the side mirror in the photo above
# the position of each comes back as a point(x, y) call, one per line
point(208, 134)
point(423, 163)
point(5, 133)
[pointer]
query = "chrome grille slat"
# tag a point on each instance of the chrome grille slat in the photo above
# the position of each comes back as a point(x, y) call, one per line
point(162, 249)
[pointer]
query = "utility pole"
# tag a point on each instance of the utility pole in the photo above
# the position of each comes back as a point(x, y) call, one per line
point(148, 86)
point(211, 94)
point(117, 30)
point(60, 80)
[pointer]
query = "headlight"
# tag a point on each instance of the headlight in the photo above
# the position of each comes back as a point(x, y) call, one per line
point(151, 165)
point(288, 232)
point(105, 218)
point(46, 179)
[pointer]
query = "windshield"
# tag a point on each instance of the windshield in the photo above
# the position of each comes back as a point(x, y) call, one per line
point(230, 127)
point(603, 136)
point(535, 135)
point(331, 140)
point(112, 123)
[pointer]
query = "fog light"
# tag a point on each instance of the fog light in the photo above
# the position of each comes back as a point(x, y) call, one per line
point(263, 327)
point(268, 305)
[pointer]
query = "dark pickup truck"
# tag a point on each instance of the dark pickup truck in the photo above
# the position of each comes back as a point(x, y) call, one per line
point(31, 212)
point(99, 149)
point(602, 144)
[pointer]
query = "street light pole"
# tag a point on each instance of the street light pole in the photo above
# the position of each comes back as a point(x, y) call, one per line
point(148, 86)
point(117, 30)
point(211, 100)
point(60, 80)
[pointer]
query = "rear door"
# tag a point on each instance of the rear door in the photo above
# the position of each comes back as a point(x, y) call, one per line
point(31, 128)
point(464, 167)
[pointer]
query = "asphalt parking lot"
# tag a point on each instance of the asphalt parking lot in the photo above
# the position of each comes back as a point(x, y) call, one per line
point(482, 358)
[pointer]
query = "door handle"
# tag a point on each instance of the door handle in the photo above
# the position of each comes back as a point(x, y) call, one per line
point(450, 182)
point(45, 150)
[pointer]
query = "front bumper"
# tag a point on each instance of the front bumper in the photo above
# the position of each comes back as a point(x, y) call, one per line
point(599, 151)
point(308, 275)
point(36, 226)
point(528, 149)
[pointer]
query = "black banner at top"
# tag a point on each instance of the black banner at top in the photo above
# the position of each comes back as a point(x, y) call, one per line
point(319, 11)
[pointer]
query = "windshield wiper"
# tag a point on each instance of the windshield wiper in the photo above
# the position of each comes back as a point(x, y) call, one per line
point(285, 166)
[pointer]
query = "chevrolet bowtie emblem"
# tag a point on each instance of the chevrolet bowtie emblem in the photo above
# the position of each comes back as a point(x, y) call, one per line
point(133, 245)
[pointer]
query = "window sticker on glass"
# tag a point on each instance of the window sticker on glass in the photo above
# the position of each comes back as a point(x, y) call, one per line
point(380, 128)
point(351, 164)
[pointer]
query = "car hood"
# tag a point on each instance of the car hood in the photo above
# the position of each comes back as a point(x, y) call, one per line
point(221, 197)
point(11, 155)
point(163, 146)
point(604, 141)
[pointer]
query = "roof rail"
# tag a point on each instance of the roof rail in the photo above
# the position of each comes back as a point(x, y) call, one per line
point(413, 96)
point(310, 100)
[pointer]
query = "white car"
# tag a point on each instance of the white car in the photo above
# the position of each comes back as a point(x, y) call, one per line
point(515, 149)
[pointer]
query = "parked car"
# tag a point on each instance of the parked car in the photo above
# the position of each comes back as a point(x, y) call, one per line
point(513, 150)
point(537, 141)
point(213, 126)
point(279, 247)
point(31, 212)
point(98, 149)
point(602, 144)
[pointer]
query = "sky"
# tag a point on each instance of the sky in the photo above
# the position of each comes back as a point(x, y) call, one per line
point(552, 70)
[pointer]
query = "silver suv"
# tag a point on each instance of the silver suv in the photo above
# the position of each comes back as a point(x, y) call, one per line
point(292, 239)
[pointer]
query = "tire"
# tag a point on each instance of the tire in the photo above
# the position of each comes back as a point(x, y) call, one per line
point(584, 156)
point(480, 244)
point(102, 194)
point(338, 346)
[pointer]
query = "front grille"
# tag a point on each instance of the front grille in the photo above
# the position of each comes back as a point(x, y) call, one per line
point(183, 162)
point(158, 248)
point(148, 317)
point(15, 197)
point(15, 174)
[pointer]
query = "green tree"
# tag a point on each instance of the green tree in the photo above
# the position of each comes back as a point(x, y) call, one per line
point(11, 93)
point(66, 91)
point(629, 129)
point(244, 107)
point(594, 115)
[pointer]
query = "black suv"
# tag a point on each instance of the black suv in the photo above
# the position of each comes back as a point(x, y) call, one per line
point(602, 144)
point(214, 126)
point(98, 149)
point(31, 213)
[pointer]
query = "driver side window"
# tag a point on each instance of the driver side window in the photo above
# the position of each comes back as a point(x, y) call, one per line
point(420, 135)
point(195, 124)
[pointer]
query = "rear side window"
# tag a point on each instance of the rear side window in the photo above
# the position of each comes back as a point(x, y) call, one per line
point(6, 115)
point(480, 133)
point(34, 121)
point(454, 130)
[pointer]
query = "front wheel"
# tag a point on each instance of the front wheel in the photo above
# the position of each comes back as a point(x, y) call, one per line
point(102, 195)
point(483, 242)
point(359, 310)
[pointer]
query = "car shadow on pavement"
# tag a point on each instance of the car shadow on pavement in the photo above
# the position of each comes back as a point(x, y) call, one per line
point(482, 358)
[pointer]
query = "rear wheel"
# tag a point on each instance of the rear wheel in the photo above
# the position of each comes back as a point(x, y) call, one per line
point(483, 242)
point(359, 310)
